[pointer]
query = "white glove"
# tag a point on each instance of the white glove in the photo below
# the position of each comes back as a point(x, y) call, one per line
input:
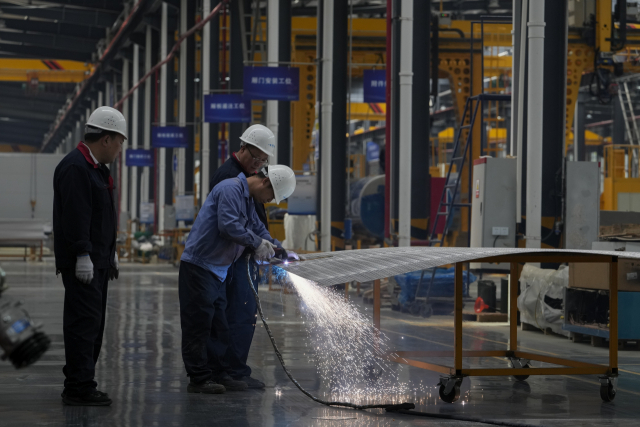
point(291, 254)
point(84, 269)
point(265, 251)
point(116, 262)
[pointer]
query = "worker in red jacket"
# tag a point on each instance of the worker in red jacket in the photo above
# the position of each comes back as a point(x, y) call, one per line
point(84, 228)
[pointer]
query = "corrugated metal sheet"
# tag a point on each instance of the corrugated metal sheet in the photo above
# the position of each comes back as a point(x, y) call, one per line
point(330, 268)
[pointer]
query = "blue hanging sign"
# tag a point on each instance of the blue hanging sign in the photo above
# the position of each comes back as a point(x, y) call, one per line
point(375, 85)
point(170, 137)
point(226, 108)
point(276, 83)
point(373, 151)
point(139, 157)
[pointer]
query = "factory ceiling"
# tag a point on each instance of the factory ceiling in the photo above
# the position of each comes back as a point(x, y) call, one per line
point(78, 30)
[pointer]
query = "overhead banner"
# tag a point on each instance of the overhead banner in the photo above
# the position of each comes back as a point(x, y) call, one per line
point(375, 85)
point(226, 108)
point(170, 137)
point(275, 83)
point(139, 157)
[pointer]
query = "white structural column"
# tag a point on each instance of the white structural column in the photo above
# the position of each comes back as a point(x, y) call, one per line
point(144, 184)
point(520, 88)
point(206, 86)
point(134, 135)
point(100, 99)
point(534, 122)
point(273, 24)
point(163, 118)
point(124, 170)
point(325, 131)
point(406, 83)
point(182, 101)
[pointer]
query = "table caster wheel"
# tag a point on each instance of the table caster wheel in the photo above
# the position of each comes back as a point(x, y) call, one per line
point(426, 311)
point(450, 389)
point(523, 364)
point(608, 388)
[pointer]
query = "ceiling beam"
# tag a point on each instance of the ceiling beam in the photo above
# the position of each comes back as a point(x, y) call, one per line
point(108, 5)
point(74, 44)
point(48, 27)
point(7, 111)
point(93, 18)
point(26, 51)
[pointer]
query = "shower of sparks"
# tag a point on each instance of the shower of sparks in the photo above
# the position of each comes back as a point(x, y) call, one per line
point(350, 353)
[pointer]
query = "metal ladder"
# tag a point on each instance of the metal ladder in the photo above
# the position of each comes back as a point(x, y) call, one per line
point(633, 134)
point(450, 191)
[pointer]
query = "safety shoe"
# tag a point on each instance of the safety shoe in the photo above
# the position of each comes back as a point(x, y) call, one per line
point(231, 384)
point(207, 387)
point(90, 398)
point(251, 382)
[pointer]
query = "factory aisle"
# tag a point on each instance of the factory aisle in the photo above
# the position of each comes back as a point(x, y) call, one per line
point(141, 368)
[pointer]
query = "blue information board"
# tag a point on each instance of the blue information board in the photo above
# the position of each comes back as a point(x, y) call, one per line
point(226, 108)
point(139, 157)
point(375, 85)
point(170, 137)
point(275, 83)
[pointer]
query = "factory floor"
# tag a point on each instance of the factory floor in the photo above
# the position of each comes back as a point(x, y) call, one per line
point(141, 368)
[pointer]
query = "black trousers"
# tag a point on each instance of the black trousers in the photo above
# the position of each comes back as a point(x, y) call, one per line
point(241, 317)
point(205, 332)
point(85, 308)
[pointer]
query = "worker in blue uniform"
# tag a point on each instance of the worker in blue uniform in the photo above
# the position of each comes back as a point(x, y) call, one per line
point(226, 225)
point(84, 229)
point(257, 145)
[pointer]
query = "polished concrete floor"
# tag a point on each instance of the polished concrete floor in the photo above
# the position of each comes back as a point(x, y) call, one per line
point(141, 368)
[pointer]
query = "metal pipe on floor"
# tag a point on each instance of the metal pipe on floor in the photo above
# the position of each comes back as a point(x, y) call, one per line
point(536, 26)
point(406, 83)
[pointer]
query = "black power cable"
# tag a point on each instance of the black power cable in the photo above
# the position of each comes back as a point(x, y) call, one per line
point(401, 408)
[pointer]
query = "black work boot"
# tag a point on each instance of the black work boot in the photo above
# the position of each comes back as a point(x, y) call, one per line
point(88, 398)
point(251, 382)
point(207, 387)
point(231, 384)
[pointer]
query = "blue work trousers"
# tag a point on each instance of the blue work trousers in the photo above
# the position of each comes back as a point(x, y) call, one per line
point(241, 317)
point(205, 333)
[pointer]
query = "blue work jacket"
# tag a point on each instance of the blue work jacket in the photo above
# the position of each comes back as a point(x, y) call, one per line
point(226, 224)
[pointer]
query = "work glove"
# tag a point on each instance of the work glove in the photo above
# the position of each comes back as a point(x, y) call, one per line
point(114, 271)
point(265, 251)
point(284, 255)
point(84, 269)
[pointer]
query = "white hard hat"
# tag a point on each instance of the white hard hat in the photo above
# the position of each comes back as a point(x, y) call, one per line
point(261, 137)
point(283, 181)
point(106, 118)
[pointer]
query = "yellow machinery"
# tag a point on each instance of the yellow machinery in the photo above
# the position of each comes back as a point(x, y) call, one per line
point(621, 179)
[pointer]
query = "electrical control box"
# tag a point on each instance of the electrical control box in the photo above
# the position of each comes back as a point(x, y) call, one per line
point(493, 207)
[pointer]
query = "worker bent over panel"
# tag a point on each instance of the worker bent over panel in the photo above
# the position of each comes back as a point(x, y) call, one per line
point(225, 226)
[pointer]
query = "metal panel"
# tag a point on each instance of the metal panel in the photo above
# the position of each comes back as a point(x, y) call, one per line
point(582, 207)
point(26, 175)
point(330, 268)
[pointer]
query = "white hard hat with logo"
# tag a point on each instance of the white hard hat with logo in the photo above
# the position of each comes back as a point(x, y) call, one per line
point(106, 118)
point(283, 181)
point(261, 137)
